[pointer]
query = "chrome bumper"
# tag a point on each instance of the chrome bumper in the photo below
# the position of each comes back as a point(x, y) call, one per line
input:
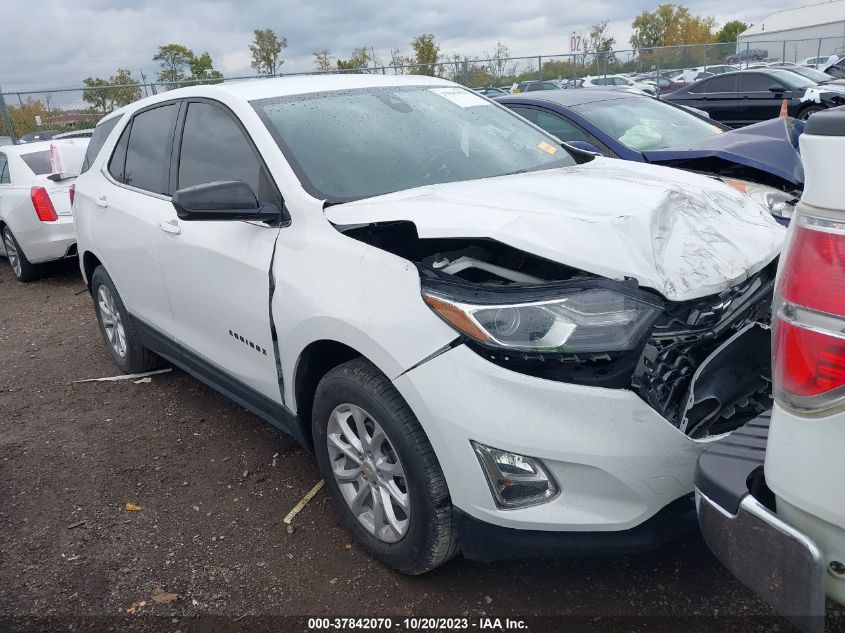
point(781, 565)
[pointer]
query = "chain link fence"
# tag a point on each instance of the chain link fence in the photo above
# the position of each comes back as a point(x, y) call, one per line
point(68, 109)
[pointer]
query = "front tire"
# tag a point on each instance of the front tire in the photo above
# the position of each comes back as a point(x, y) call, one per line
point(24, 271)
point(380, 470)
point(805, 114)
point(117, 328)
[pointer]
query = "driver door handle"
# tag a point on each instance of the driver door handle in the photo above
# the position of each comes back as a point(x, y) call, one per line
point(171, 227)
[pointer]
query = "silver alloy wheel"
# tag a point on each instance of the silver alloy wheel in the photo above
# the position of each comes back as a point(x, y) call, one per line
point(368, 473)
point(12, 252)
point(112, 321)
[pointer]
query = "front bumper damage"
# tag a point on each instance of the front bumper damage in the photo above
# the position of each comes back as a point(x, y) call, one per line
point(781, 564)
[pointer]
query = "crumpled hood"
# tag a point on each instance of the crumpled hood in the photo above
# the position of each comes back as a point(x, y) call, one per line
point(770, 146)
point(681, 234)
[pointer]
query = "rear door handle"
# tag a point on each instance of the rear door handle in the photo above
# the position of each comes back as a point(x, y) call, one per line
point(171, 227)
point(102, 202)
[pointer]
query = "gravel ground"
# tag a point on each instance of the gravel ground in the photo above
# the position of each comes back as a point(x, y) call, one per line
point(213, 483)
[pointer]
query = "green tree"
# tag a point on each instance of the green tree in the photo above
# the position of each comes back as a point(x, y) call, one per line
point(175, 61)
point(600, 44)
point(730, 32)
point(105, 95)
point(124, 88)
point(358, 62)
point(203, 71)
point(426, 55)
point(266, 49)
point(670, 25)
point(96, 93)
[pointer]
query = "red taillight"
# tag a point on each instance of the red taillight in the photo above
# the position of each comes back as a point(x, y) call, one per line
point(809, 344)
point(813, 275)
point(808, 363)
point(72, 193)
point(43, 205)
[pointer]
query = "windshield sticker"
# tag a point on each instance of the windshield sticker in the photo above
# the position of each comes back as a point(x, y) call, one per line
point(461, 97)
point(549, 149)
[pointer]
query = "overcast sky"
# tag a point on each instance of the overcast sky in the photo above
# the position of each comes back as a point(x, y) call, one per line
point(57, 43)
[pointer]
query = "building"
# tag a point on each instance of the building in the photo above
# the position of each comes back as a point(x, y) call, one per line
point(793, 35)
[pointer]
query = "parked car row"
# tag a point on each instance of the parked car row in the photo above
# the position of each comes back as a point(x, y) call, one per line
point(494, 342)
point(749, 96)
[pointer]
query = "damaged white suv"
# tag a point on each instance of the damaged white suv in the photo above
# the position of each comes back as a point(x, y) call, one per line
point(493, 343)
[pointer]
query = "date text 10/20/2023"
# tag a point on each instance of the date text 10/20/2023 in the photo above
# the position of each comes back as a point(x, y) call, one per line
point(417, 624)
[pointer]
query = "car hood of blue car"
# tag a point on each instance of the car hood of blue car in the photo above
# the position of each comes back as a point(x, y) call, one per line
point(770, 147)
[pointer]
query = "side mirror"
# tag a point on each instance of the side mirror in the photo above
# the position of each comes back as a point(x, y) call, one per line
point(222, 200)
point(584, 146)
point(777, 89)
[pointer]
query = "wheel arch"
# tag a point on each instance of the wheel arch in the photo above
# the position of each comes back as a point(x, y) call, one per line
point(89, 264)
point(314, 362)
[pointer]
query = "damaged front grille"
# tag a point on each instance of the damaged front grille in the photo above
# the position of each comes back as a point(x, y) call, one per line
point(735, 385)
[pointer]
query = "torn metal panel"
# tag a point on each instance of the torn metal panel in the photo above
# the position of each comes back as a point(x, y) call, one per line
point(684, 235)
point(769, 148)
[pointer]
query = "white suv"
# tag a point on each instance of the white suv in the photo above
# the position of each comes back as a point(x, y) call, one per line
point(492, 343)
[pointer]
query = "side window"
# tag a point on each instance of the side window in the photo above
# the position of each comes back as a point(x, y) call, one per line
point(117, 163)
point(553, 124)
point(757, 82)
point(214, 148)
point(722, 83)
point(148, 153)
point(4, 170)
point(98, 138)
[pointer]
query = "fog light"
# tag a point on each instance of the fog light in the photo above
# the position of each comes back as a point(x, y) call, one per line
point(516, 481)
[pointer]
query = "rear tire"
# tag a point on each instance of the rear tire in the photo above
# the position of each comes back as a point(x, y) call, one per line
point(117, 327)
point(24, 271)
point(357, 392)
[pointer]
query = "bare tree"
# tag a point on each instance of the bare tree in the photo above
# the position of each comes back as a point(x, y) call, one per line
point(323, 60)
point(498, 61)
point(397, 60)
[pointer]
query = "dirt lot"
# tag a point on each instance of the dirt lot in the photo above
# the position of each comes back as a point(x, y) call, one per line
point(214, 483)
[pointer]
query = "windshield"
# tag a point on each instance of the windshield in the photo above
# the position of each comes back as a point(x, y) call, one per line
point(793, 81)
point(810, 73)
point(643, 123)
point(354, 144)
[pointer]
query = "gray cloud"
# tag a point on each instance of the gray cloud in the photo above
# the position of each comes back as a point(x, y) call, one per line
point(64, 42)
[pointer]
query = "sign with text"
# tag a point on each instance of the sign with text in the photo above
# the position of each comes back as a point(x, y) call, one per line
point(576, 44)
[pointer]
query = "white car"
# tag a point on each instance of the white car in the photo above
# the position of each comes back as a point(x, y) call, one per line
point(493, 343)
point(777, 485)
point(36, 220)
point(603, 81)
point(818, 62)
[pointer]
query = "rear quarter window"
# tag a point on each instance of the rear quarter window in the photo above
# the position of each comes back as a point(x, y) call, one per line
point(98, 139)
point(38, 162)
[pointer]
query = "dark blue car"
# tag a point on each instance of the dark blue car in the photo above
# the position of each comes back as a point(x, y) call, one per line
point(762, 160)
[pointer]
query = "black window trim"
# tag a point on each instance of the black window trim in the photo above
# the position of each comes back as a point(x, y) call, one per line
point(5, 169)
point(104, 169)
point(176, 147)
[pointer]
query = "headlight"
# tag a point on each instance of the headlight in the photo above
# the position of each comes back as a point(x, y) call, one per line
point(515, 480)
point(779, 203)
point(585, 320)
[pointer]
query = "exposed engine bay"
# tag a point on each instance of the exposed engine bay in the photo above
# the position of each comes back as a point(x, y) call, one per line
point(703, 364)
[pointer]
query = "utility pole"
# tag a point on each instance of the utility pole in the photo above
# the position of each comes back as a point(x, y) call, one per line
point(7, 120)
